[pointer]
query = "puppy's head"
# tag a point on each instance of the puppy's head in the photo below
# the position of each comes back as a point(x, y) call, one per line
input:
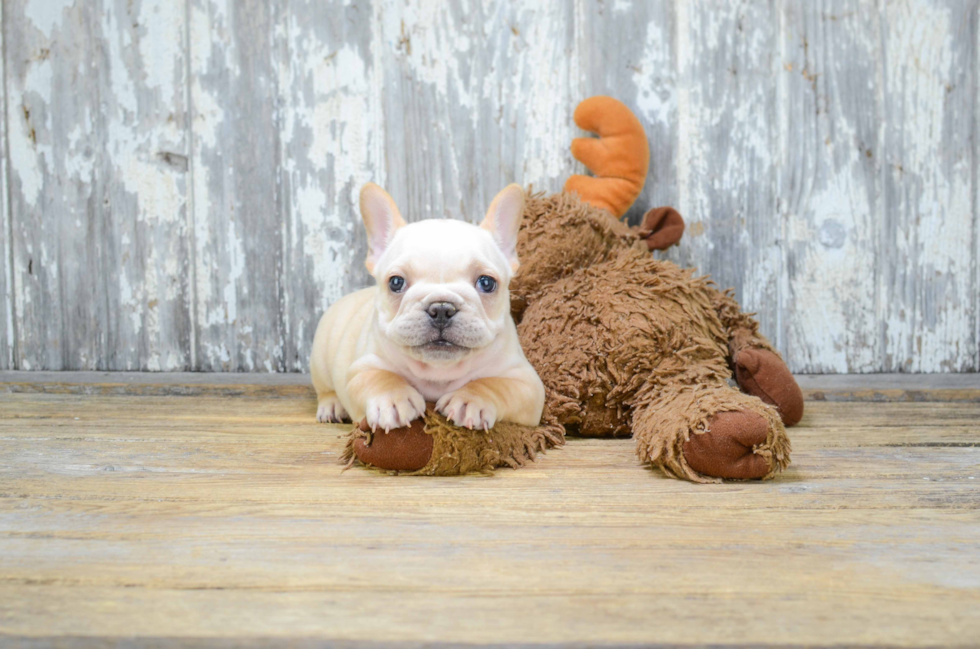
point(443, 283)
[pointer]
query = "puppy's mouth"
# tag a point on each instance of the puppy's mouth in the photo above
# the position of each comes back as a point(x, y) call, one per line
point(441, 346)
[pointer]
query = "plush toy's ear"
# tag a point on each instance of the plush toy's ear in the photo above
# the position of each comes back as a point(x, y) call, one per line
point(503, 220)
point(381, 219)
point(662, 227)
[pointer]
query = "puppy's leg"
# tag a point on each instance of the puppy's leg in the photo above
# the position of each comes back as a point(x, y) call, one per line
point(386, 399)
point(481, 403)
point(329, 409)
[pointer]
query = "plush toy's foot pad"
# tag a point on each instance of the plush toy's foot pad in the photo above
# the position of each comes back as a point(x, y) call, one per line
point(763, 374)
point(434, 446)
point(401, 449)
point(725, 449)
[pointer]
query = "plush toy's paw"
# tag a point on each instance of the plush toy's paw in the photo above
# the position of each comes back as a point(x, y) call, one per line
point(468, 410)
point(330, 411)
point(402, 449)
point(709, 432)
point(763, 374)
point(725, 449)
point(395, 409)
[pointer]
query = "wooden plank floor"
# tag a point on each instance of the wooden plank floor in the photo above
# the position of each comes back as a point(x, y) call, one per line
point(130, 513)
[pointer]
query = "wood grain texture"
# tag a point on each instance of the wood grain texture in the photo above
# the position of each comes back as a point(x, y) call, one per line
point(141, 518)
point(332, 141)
point(97, 146)
point(727, 54)
point(237, 199)
point(890, 387)
point(829, 183)
point(470, 101)
point(182, 178)
point(930, 107)
point(7, 335)
point(629, 50)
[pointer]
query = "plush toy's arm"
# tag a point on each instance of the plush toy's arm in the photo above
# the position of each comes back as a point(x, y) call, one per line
point(759, 369)
point(741, 328)
point(619, 158)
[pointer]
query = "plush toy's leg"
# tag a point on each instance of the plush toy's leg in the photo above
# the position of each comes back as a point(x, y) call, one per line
point(758, 368)
point(434, 446)
point(706, 432)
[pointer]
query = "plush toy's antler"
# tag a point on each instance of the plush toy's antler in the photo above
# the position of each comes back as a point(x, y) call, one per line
point(619, 158)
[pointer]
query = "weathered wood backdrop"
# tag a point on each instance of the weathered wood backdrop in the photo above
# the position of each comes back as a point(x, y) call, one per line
point(180, 176)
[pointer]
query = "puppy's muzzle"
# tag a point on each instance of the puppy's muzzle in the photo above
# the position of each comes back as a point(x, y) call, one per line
point(441, 314)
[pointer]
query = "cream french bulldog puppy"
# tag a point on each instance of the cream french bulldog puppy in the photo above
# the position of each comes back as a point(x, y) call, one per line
point(437, 327)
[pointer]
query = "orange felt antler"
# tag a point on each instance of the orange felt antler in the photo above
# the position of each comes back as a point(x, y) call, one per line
point(619, 158)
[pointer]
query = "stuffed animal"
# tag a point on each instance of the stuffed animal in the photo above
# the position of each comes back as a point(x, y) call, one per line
point(626, 344)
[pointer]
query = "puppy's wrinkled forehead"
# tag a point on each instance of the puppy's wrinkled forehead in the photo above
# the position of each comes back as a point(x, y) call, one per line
point(443, 242)
point(443, 250)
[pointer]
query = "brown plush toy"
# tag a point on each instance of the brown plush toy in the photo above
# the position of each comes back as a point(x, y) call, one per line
point(625, 344)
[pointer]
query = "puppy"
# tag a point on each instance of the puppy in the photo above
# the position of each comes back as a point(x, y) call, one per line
point(437, 327)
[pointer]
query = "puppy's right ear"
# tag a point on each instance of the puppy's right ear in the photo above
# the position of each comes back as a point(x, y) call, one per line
point(503, 220)
point(381, 219)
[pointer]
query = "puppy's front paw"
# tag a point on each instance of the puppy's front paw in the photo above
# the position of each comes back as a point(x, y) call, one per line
point(466, 409)
point(394, 409)
point(330, 411)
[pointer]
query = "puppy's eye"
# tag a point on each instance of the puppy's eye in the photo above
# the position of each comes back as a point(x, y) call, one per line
point(396, 283)
point(486, 284)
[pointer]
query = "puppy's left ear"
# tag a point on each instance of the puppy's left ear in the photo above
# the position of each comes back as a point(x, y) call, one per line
point(503, 220)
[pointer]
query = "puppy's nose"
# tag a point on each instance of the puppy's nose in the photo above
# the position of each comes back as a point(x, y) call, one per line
point(440, 313)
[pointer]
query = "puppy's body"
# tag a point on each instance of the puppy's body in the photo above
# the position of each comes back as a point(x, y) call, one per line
point(430, 330)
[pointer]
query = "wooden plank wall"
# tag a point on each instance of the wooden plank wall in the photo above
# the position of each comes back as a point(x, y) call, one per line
point(180, 176)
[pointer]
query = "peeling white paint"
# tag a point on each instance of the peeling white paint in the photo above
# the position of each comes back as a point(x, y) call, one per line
point(208, 113)
point(208, 32)
point(432, 46)
point(828, 194)
point(654, 79)
point(931, 192)
point(543, 86)
point(236, 261)
point(130, 302)
point(684, 125)
point(341, 119)
point(162, 58)
point(28, 156)
point(45, 15)
point(6, 249)
point(333, 134)
point(122, 86)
